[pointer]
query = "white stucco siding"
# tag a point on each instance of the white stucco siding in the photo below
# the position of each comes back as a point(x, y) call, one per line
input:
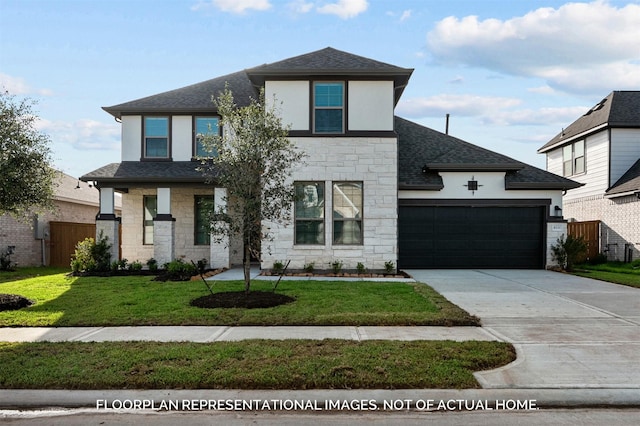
point(292, 102)
point(491, 185)
point(625, 151)
point(131, 137)
point(181, 137)
point(370, 105)
point(372, 161)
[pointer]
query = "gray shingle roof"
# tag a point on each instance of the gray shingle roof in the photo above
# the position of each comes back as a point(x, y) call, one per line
point(420, 146)
point(629, 182)
point(194, 98)
point(136, 172)
point(619, 109)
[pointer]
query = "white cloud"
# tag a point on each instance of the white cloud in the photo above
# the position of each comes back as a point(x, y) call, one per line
point(18, 86)
point(405, 15)
point(83, 134)
point(300, 7)
point(461, 105)
point(344, 9)
point(579, 46)
point(535, 117)
point(234, 6)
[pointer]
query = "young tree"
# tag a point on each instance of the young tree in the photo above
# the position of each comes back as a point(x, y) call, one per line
point(27, 180)
point(254, 160)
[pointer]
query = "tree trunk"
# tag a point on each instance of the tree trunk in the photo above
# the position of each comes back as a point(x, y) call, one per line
point(246, 262)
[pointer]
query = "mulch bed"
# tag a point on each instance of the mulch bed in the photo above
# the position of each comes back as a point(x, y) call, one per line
point(240, 299)
point(10, 302)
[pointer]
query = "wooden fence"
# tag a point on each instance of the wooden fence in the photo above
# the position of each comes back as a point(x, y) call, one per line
point(63, 239)
point(590, 231)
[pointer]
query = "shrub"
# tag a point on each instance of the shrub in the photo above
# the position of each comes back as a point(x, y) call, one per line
point(179, 270)
point(152, 264)
point(389, 266)
point(135, 266)
point(5, 262)
point(92, 256)
point(360, 268)
point(567, 252)
point(336, 266)
point(309, 267)
point(278, 266)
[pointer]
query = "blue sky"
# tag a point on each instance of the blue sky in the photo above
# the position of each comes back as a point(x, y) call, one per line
point(510, 73)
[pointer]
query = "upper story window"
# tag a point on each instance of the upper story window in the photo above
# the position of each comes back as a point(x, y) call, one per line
point(204, 126)
point(156, 137)
point(573, 159)
point(328, 107)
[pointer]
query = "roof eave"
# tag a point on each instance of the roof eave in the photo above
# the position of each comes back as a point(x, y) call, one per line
point(569, 139)
point(563, 186)
point(471, 167)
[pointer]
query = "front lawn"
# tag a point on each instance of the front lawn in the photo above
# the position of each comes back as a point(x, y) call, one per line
point(117, 301)
point(615, 272)
point(251, 364)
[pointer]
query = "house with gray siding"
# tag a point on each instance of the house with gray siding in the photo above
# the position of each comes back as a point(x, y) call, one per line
point(375, 188)
point(601, 150)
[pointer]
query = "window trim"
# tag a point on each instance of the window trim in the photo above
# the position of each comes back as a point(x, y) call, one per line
point(321, 220)
point(343, 108)
point(343, 220)
point(145, 220)
point(144, 155)
point(194, 144)
point(573, 161)
point(196, 201)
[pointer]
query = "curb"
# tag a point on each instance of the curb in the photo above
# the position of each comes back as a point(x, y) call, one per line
point(321, 400)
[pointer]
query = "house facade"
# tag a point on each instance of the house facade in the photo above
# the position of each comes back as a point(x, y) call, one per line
point(601, 150)
point(374, 189)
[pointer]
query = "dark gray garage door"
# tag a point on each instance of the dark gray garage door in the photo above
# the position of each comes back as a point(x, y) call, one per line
point(471, 237)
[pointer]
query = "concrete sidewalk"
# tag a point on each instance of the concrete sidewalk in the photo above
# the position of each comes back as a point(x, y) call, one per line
point(204, 334)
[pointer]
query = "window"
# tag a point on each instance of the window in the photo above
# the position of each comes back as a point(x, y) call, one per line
point(204, 126)
point(347, 213)
point(150, 203)
point(202, 213)
point(309, 213)
point(156, 137)
point(328, 107)
point(573, 159)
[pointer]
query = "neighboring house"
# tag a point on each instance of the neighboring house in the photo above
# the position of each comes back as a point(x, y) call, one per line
point(601, 150)
point(375, 188)
point(76, 204)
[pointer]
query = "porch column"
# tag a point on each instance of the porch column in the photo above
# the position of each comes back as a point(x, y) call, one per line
point(107, 223)
point(219, 251)
point(164, 229)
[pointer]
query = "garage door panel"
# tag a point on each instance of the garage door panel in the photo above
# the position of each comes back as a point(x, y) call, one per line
point(470, 237)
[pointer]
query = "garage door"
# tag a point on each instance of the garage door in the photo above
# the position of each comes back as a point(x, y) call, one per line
point(471, 237)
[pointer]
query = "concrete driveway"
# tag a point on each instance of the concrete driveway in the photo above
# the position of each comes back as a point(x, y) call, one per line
point(569, 332)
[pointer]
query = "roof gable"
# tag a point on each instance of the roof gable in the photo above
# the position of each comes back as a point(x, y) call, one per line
point(619, 109)
point(423, 152)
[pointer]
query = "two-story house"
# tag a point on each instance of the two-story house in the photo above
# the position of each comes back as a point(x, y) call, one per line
point(374, 188)
point(601, 150)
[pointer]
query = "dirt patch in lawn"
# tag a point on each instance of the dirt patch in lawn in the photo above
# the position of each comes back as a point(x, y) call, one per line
point(240, 299)
point(10, 302)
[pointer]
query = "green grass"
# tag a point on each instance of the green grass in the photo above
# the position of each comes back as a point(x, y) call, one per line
point(614, 272)
point(252, 364)
point(115, 301)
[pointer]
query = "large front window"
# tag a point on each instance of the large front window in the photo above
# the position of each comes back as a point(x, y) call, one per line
point(156, 137)
point(328, 107)
point(150, 203)
point(309, 213)
point(573, 162)
point(205, 126)
point(347, 213)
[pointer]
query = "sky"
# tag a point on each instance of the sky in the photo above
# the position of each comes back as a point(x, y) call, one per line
point(511, 74)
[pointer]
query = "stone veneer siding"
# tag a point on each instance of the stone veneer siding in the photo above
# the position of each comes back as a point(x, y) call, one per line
point(372, 161)
point(620, 218)
point(182, 210)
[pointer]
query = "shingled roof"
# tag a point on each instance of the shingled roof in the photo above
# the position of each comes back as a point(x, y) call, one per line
point(619, 109)
point(628, 182)
point(139, 172)
point(325, 62)
point(423, 152)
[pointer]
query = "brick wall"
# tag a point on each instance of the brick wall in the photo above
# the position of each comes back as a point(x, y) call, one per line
point(619, 222)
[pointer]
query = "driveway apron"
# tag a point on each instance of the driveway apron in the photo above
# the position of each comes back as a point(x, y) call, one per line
point(569, 332)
